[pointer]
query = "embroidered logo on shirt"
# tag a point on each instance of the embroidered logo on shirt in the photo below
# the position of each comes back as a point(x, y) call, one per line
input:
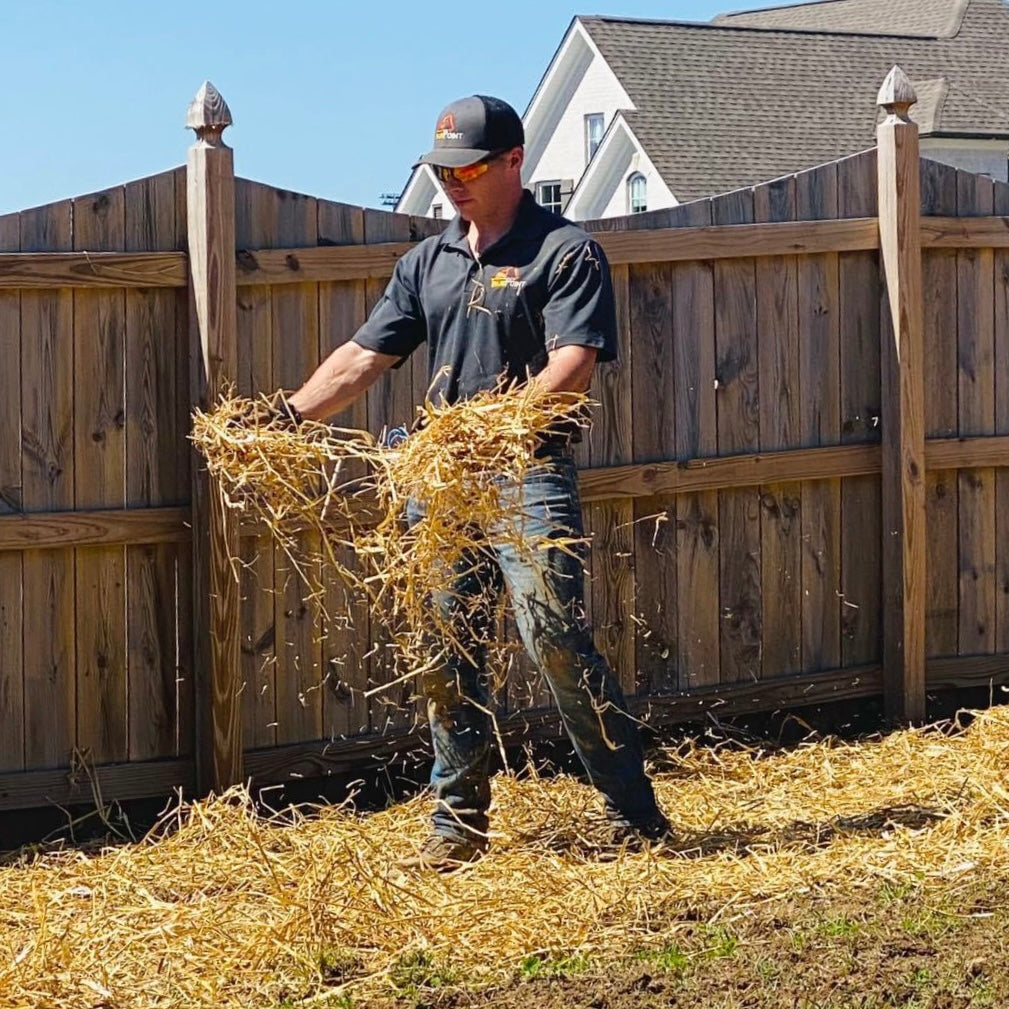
point(445, 130)
point(508, 276)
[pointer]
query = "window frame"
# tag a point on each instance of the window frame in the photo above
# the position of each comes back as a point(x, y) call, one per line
point(632, 179)
point(589, 118)
point(553, 207)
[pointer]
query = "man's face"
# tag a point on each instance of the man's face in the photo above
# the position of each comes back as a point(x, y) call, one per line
point(473, 199)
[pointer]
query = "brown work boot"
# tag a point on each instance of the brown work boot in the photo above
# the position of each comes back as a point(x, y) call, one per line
point(444, 854)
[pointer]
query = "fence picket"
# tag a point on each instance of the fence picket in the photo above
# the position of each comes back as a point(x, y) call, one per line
point(738, 431)
point(939, 270)
point(860, 599)
point(819, 424)
point(976, 359)
point(47, 419)
point(780, 396)
point(11, 566)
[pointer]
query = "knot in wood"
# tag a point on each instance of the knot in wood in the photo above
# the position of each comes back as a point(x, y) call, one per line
point(208, 114)
point(896, 94)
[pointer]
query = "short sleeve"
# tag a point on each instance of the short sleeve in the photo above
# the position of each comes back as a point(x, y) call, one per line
point(580, 310)
point(396, 324)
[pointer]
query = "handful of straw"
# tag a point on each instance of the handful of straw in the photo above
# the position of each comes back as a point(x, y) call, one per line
point(347, 490)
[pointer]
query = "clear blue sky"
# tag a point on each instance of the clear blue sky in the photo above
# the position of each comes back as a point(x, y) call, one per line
point(332, 98)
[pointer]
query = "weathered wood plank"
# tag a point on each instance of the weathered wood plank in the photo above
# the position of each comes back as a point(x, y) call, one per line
point(697, 550)
point(609, 523)
point(12, 737)
point(99, 482)
point(903, 408)
point(152, 474)
point(74, 786)
point(255, 224)
point(779, 400)
point(939, 271)
point(347, 626)
point(820, 424)
point(47, 419)
point(259, 266)
point(56, 530)
point(738, 431)
point(297, 616)
point(377, 261)
point(91, 269)
point(976, 414)
point(652, 368)
point(1001, 350)
point(981, 232)
point(736, 240)
point(859, 294)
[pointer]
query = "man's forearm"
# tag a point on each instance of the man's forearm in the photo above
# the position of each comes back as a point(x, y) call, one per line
point(569, 369)
point(340, 380)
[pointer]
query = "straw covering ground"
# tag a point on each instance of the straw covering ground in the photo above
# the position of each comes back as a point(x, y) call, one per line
point(219, 907)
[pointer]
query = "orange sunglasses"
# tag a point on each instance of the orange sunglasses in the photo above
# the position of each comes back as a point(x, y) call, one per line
point(467, 173)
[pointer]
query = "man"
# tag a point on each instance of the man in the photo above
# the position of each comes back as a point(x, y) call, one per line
point(509, 290)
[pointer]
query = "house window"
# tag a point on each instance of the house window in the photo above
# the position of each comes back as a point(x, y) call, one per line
point(593, 134)
point(436, 210)
point(548, 194)
point(637, 194)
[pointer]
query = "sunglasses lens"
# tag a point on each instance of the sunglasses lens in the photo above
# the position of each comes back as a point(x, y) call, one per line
point(465, 174)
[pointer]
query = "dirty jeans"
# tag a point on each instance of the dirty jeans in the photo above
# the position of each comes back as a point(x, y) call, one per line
point(546, 586)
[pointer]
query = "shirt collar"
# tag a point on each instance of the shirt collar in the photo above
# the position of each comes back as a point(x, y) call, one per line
point(528, 224)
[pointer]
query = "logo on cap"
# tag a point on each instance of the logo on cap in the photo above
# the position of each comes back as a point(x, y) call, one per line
point(445, 130)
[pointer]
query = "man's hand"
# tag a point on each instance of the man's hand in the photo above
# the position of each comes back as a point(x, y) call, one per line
point(263, 412)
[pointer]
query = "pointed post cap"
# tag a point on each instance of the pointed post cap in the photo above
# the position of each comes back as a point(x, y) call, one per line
point(208, 114)
point(896, 95)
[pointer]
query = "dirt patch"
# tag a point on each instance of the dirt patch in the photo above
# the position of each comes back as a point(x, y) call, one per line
point(896, 949)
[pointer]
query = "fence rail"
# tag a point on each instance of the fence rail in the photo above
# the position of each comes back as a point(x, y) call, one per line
point(327, 264)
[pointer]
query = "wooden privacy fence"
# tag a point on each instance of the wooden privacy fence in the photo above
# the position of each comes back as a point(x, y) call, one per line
point(796, 482)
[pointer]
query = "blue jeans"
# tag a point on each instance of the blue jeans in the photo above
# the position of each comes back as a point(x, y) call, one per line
point(546, 585)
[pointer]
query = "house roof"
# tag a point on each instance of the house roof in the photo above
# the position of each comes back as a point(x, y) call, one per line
point(926, 18)
point(720, 106)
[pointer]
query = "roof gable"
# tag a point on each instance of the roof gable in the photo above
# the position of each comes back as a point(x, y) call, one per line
point(719, 107)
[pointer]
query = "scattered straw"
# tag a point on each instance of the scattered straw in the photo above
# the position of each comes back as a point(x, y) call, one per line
point(221, 908)
point(336, 501)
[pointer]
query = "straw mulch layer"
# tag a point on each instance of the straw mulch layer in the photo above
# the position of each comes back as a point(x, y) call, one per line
point(221, 908)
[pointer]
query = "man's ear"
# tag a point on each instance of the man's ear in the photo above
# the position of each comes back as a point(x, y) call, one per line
point(516, 157)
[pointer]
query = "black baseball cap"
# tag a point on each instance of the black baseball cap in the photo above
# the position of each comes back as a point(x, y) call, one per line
point(471, 128)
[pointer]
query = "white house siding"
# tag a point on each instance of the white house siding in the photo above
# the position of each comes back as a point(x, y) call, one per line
point(563, 157)
point(982, 157)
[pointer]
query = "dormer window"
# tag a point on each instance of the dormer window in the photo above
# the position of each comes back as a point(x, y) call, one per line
point(637, 194)
point(593, 134)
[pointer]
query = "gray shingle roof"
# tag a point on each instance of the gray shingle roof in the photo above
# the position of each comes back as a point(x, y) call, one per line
point(721, 107)
point(929, 18)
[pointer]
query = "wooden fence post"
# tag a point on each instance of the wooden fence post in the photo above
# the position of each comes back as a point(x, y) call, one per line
point(210, 179)
point(903, 404)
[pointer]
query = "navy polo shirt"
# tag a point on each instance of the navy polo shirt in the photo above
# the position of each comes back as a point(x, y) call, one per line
point(545, 284)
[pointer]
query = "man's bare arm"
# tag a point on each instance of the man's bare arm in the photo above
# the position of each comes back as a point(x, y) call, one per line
point(569, 369)
point(339, 380)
